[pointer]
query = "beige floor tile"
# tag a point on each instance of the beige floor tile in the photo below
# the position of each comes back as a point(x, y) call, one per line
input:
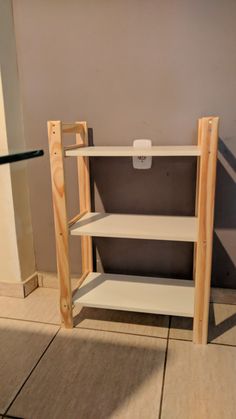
point(89, 374)
point(123, 321)
point(42, 305)
point(199, 382)
point(22, 344)
point(222, 325)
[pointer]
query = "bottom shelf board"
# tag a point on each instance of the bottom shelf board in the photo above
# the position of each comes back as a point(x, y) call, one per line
point(137, 293)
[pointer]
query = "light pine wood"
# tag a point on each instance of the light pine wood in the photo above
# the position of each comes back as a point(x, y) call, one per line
point(71, 128)
point(72, 146)
point(133, 151)
point(84, 197)
point(60, 219)
point(197, 191)
point(205, 211)
point(76, 218)
point(137, 293)
point(152, 227)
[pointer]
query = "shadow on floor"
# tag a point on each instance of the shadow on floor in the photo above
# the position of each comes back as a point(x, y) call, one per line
point(181, 328)
point(112, 317)
point(217, 330)
point(90, 374)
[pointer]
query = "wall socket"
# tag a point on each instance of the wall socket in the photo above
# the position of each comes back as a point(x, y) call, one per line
point(142, 162)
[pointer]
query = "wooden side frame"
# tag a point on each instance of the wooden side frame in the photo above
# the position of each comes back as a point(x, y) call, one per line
point(62, 224)
point(60, 219)
point(205, 197)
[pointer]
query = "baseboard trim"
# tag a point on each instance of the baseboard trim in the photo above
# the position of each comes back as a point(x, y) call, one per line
point(50, 280)
point(218, 295)
point(19, 289)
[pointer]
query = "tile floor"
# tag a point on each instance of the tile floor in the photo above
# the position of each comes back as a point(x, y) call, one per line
point(113, 364)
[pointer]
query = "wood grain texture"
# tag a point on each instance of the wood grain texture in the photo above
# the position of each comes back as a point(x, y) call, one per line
point(60, 219)
point(76, 218)
point(205, 211)
point(84, 197)
point(197, 191)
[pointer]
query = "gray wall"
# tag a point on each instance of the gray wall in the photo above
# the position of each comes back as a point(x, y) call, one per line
point(132, 69)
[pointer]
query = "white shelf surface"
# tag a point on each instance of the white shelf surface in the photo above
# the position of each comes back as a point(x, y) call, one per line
point(150, 227)
point(137, 293)
point(103, 151)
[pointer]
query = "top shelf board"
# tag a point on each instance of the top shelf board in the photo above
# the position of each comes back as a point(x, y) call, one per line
point(125, 151)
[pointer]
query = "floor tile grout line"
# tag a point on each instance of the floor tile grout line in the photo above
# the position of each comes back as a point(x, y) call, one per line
point(209, 343)
point(31, 372)
point(164, 370)
point(29, 321)
point(222, 344)
point(122, 333)
point(114, 331)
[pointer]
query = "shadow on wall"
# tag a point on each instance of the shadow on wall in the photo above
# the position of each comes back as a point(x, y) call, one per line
point(168, 188)
point(224, 248)
point(164, 189)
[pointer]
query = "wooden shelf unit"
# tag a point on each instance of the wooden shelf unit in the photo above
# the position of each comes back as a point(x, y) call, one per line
point(188, 298)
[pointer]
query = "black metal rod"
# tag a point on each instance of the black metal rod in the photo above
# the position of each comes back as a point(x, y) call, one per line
point(25, 155)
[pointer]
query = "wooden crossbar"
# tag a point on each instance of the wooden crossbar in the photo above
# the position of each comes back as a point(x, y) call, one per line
point(76, 218)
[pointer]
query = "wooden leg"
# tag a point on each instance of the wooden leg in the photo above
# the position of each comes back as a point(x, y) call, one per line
point(84, 199)
point(61, 221)
point(205, 212)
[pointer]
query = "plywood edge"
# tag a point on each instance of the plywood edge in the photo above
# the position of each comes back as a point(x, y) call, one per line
point(19, 289)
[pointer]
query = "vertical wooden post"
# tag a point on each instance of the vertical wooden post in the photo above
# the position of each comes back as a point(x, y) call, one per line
point(199, 140)
point(61, 221)
point(205, 211)
point(84, 198)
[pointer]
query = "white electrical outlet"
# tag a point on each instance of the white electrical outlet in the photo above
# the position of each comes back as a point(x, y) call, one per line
point(142, 162)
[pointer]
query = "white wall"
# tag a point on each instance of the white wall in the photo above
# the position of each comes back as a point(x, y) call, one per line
point(132, 69)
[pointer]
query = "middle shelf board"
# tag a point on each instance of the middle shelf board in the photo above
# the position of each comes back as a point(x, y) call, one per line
point(125, 151)
point(150, 227)
point(137, 293)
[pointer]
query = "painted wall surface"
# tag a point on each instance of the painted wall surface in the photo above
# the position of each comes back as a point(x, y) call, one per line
point(17, 259)
point(132, 69)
